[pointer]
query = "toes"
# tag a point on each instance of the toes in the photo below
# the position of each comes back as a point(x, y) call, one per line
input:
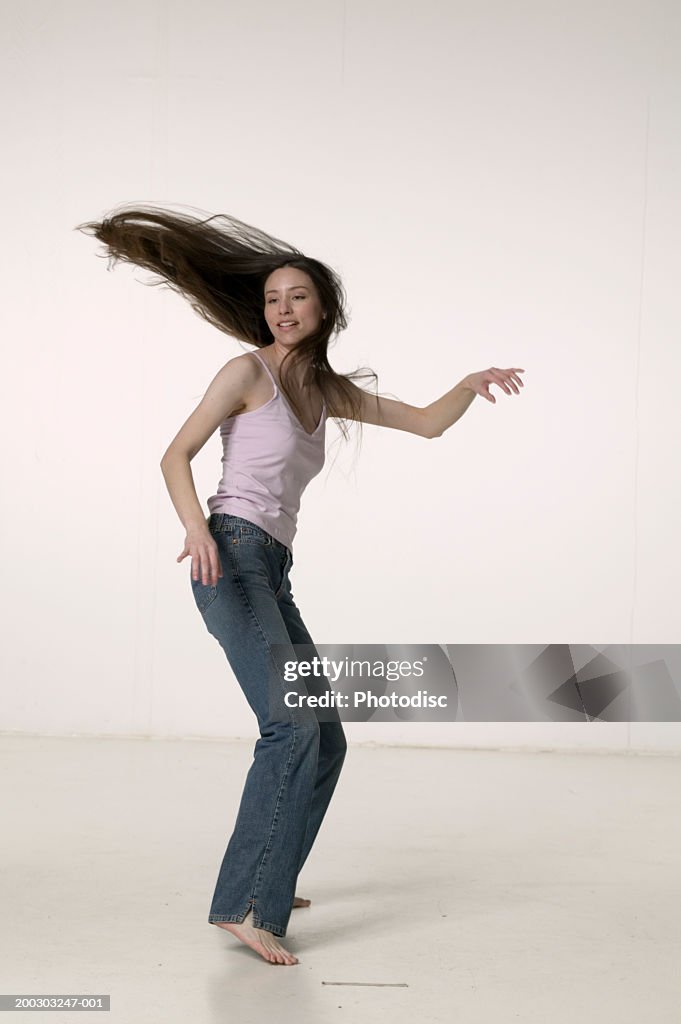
point(282, 956)
point(269, 955)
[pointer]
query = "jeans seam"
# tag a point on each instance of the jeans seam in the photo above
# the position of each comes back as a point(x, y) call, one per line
point(275, 815)
point(285, 774)
point(283, 576)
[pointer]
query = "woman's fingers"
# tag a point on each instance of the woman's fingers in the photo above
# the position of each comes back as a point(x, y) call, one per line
point(514, 378)
point(216, 568)
point(500, 378)
point(205, 560)
point(206, 564)
point(200, 566)
point(480, 382)
point(510, 375)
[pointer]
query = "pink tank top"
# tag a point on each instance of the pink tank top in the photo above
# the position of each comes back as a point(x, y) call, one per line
point(268, 461)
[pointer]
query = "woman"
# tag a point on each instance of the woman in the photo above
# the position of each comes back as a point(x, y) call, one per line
point(271, 406)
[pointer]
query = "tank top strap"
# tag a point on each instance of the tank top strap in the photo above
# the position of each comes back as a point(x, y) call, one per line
point(269, 372)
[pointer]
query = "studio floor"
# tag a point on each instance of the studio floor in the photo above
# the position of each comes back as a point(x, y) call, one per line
point(446, 885)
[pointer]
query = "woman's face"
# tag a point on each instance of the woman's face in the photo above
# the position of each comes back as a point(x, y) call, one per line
point(292, 306)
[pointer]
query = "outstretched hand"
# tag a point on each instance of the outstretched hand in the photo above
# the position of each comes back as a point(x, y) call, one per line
point(480, 382)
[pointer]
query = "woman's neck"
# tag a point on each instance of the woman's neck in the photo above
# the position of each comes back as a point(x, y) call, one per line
point(274, 354)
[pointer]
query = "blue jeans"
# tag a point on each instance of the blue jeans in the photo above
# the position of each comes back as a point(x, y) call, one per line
point(298, 758)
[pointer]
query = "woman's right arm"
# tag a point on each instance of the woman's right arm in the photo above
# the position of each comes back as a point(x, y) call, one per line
point(226, 394)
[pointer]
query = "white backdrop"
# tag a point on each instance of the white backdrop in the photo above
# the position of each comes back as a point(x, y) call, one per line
point(497, 185)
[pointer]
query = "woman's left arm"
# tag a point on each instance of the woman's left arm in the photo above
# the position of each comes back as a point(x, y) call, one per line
point(445, 411)
point(433, 419)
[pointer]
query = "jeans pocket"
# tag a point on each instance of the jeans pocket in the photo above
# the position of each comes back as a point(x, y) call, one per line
point(204, 595)
point(254, 535)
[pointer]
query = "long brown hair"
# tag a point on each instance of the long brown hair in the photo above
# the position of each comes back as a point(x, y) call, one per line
point(220, 265)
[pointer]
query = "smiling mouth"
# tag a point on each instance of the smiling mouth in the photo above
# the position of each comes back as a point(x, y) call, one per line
point(288, 323)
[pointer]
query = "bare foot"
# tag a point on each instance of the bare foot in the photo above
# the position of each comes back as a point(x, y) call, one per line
point(298, 901)
point(264, 943)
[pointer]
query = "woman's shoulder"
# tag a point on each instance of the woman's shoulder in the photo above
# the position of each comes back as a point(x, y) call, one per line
point(247, 373)
point(243, 368)
point(234, 384)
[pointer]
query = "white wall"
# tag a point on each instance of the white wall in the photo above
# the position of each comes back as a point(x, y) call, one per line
point(497, 185)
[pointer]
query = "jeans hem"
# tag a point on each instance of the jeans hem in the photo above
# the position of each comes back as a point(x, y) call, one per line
point(265, 926)
point(275, 929)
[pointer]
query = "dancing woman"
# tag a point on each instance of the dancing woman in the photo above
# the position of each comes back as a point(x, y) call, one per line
point(271, 406)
